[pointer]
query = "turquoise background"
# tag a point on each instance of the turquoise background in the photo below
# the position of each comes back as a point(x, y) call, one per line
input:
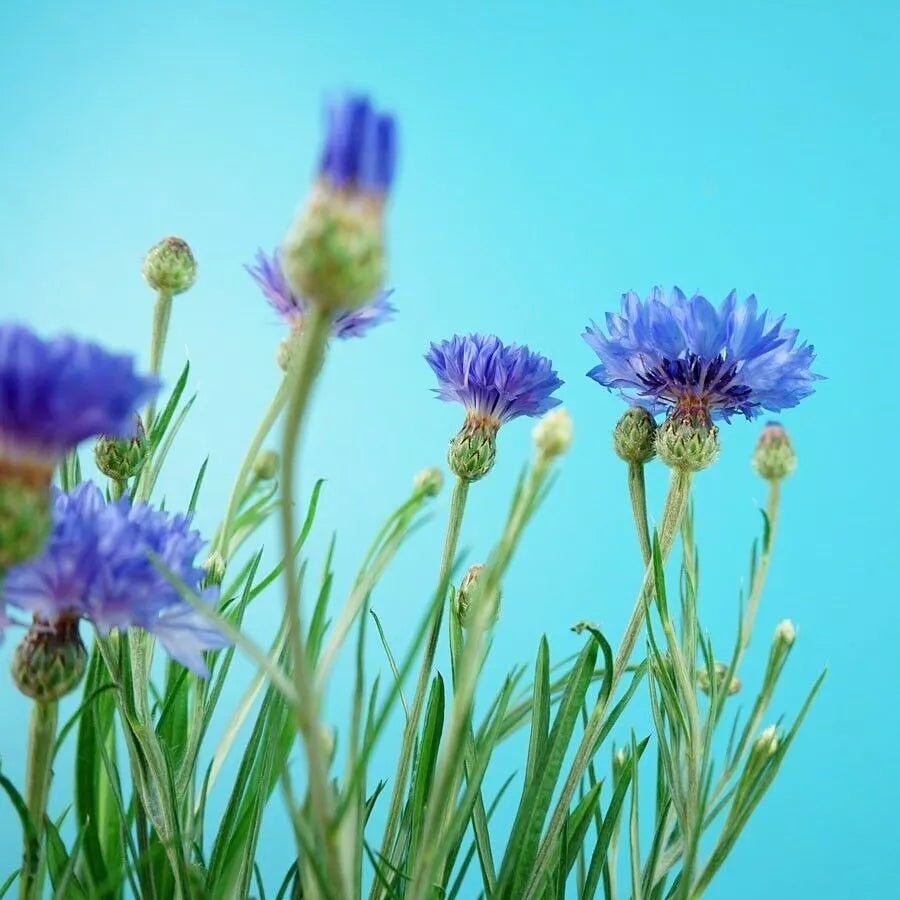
point(553, 156)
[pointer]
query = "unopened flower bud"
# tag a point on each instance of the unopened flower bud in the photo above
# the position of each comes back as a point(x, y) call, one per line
point(553, 433)
point(466, 594)
point(774, 457)
point(687, 440)
point(266, 465)
point(215, 566)
point(785, 633)
point(474, 449)
point(25, 520)
point(767, 742)
point(429, 481)
point(620, 761)
point(120, 458)
point(634, 437)
point(721, 670)
point(51, 660)
point(169, 266)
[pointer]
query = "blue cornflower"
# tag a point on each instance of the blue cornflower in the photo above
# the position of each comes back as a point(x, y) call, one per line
point(269, 275)
point(107, 562)
point(494, 382)
point(687, 355)
point(54, 394)
point(360, 151)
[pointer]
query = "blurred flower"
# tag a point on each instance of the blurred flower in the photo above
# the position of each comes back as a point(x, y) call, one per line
point(495, 383)
point(429, 481)
point(54, 394)
point(774, 457)
point(108, 563)
point(334, 249)
point(688, 355)
point(269, 275)
point(553, 433)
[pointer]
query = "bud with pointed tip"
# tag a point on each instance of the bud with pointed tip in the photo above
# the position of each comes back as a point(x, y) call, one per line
point(552, 435)
point(634, 437)
point(429, 481)
point(215, 566)
point(767, 742)
point(774, 457)
point(266, 465)
point(121, 458)
point(687, 440)
point(169, 266)
point(785, 633)
point(51, 660)
point(462, 601)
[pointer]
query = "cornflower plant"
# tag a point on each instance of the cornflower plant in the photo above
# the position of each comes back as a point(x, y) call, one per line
point(86, 556)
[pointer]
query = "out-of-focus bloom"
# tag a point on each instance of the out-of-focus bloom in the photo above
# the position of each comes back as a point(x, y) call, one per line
point(169, 266)
point(553, 433)
point(687, 355)
point(53, 395)
point(334, 250)
point(634, 437)
point(108, 563)
point(266, 465)
point(269, 275)
point(429, 481)
point(774, 457)
point(495, 383)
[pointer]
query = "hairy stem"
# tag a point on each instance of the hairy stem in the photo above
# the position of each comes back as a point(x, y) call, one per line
point(638, 493)
point(162, 310)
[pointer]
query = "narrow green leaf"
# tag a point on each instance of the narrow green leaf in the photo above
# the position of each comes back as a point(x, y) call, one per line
point(540, 712)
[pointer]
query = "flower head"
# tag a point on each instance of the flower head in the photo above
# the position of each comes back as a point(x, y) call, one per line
point(360, 151)
point(495, 382)
point(109, 563)
point(686, 354)
point(269, 275)
point(54, 394)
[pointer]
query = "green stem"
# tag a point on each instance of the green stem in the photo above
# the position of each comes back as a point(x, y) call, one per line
point(162, 310)
point(638, 493)
point(759, 581)
point(304, 369)
point(237, 490)
point(673, 511)
point(117, 488)
point(457, 508)
point(41, 738)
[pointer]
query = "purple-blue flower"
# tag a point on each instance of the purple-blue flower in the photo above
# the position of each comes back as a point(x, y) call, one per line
point(360, 150)
point(56, 393)
point(493, 381)
point(108, 562)
point(686, 354)
point(269, 275)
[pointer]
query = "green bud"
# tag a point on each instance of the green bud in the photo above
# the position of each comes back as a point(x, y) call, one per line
point(634, 437)
point(120, 459)
point(462, 600)
point(50, 661)
point(215, 569)
point(785, 633)
point(721, 670)
point(552, 435)
point(767, 742)
point(429, 481)
point(687, 440)
point(169, 266)
point(333, 253)
point(25, 520)
point(473, 449)
point(774, 457)
point(266, 465)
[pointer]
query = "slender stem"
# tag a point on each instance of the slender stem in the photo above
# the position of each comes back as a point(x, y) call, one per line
point(759, 580)
point(116, 488)
point(162, 310)
point(451, 539)
point(638, 493)
point(41, 738)
point(673, 511)
point(303, 371)
point(237, 490)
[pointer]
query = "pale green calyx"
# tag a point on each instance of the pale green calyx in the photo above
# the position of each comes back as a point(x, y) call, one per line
point(687, 440)
point(774, 457)
point(333, 253)
point(266, 465)
point(473, 449)
point(169, 266)
point(51, 660)
point(634, 437)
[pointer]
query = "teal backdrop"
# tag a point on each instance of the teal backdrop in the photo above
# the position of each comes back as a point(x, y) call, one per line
point(553, 156)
